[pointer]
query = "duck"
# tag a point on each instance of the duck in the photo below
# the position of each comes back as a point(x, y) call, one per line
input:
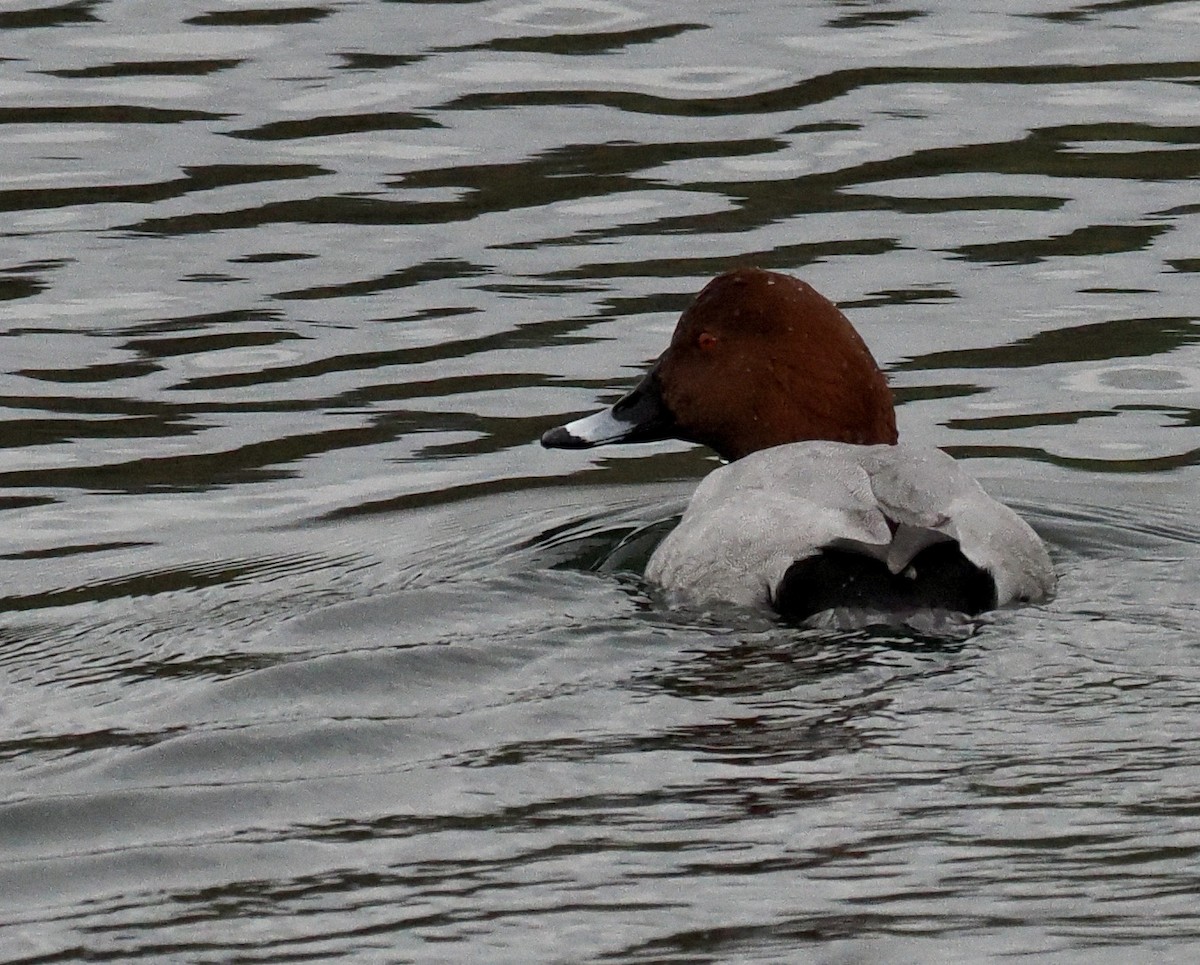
point(818, 509)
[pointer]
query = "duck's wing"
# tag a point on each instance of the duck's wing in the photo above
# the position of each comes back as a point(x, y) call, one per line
point(750, 521)
point(931, 497)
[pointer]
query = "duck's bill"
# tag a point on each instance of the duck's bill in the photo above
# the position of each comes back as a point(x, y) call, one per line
point(641, 416)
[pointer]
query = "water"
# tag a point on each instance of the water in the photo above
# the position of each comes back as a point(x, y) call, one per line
point(308, 652)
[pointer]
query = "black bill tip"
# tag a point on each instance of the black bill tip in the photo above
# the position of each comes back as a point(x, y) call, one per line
point(560, 438)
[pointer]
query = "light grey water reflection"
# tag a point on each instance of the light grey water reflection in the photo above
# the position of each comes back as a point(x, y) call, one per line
point(308, 652)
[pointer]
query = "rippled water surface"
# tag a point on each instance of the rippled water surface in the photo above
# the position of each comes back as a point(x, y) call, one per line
point(309, 652)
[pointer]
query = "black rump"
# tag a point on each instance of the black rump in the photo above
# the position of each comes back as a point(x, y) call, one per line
point(939, 577)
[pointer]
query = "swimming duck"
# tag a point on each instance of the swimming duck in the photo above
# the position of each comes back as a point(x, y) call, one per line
point(819, 508)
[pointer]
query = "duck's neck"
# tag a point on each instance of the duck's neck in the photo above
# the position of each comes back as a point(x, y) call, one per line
point(857, 411)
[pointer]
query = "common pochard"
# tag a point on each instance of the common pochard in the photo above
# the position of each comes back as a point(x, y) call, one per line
point(819, 509)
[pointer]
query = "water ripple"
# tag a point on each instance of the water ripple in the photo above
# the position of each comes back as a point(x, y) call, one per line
point(308, 650)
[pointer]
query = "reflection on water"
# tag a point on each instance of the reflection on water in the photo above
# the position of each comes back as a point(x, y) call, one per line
point(308, 650)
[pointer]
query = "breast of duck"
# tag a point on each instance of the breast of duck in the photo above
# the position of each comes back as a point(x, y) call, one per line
point(819, 508)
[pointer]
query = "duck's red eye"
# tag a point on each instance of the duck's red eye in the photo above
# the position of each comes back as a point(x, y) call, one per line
point(706, 341)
